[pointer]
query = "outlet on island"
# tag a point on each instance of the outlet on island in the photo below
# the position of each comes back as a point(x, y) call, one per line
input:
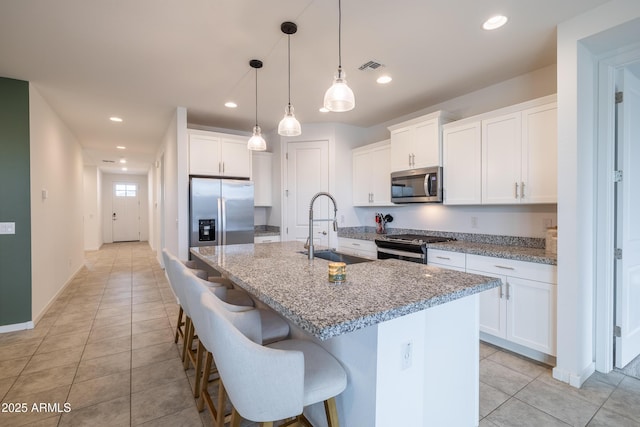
point(406, 355)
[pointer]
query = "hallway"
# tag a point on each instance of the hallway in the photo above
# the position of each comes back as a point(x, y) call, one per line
point(106, 348)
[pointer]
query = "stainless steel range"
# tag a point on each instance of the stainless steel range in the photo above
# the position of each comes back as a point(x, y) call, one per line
point(407, 247)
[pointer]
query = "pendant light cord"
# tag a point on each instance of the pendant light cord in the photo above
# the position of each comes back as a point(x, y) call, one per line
point(289, 60)
point(339, 38)
point(256, 97)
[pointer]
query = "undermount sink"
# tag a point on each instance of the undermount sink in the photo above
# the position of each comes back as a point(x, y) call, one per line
point(337, 257)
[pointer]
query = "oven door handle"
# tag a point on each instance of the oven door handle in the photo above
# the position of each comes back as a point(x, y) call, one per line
point(401, 253)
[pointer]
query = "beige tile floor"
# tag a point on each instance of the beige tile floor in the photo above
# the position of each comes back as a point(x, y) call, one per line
point(106, 348)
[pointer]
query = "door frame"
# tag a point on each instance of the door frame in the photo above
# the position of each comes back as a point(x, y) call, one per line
point(607, 69)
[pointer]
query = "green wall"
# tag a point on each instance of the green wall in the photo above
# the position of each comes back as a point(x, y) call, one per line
point(15, 204)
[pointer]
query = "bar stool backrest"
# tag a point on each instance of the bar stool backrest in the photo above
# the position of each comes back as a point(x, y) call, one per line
point(264, 384)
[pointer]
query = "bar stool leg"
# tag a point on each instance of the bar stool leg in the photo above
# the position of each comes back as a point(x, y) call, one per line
point(188, 342)
point(198, 367)
point(179, 332)
point(332, 412)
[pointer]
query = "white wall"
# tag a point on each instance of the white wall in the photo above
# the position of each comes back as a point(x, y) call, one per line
point(107, 203)
point(92, 208)
point(173, 188)
point(576, 207)
point(57, 242)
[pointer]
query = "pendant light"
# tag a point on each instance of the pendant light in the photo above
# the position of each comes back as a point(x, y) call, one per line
point(289, 125)
point(339, 97)
point(256, 142)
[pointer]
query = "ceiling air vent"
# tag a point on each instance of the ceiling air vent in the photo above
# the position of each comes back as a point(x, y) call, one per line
point(108, 161)
point(370, 66)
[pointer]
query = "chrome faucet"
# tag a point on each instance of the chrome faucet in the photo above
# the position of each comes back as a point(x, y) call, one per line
point(309, 244)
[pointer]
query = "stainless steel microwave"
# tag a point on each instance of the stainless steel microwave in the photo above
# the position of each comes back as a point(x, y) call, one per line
point(422, 185)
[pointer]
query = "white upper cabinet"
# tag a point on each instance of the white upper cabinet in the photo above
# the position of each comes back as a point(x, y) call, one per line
point(540, 154)
point(417, 143)
point(462, 171)
point(508, 156)
point(371, 175)
point(216, 154)
point(501, 154)
point(519, 157)
point(262, 173)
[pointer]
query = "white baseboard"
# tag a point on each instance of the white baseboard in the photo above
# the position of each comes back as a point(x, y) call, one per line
point(16, 327)
point(574, 380)
point(55, 297)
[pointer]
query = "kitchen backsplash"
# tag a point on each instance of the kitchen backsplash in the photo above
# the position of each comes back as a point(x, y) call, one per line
point(369, 233)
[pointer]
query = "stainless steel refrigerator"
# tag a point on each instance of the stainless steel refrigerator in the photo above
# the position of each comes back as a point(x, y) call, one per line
point(221, 211)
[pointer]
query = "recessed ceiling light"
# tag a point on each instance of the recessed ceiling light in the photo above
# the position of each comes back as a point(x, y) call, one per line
point(123, 161)
point(230, 104)
point(323, 110)
point(115, 119)
point(121, 147)
point(124, 169)
point(495, 22)
point(383, 80)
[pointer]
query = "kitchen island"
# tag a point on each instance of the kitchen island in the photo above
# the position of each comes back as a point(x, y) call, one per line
point(406, 333)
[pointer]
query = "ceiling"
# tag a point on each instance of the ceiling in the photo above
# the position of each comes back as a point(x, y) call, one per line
point(141, 59)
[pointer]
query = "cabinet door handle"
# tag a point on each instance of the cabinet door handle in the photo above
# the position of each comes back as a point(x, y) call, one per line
point(222, 167)
point(413, 159)
point(507, 286)
point(516, 191)
point(522, 190)
point(409, 159)
point(503, 267)
point(355, 244)
point(500, 287)
point(443, 257)
point(219, 167)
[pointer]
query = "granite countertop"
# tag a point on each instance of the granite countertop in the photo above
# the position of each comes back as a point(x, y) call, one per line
point(282, 277)
point(507, 247)
point(519, 253)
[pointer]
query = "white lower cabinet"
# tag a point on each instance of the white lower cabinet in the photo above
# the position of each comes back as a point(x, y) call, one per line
point(523, 309)
point(266, 239)
point(357, 247)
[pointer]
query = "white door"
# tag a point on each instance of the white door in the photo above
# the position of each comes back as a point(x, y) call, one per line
point(627, 345)
point(307, 174)
point(125, 213)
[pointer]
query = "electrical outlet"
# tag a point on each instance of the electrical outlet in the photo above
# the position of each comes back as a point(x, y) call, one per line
point(547, 222)
point(474, 222)
point(406, 355)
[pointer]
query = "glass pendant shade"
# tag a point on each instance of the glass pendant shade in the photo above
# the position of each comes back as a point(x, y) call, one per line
point(289, 125)
point(339, 97)
point(257, 142)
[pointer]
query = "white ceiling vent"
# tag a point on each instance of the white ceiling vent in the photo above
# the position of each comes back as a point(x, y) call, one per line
point(108, 161)
point(370, 66)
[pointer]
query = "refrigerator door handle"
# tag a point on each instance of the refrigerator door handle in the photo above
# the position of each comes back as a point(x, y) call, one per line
point(220, 223)
point(223, 217)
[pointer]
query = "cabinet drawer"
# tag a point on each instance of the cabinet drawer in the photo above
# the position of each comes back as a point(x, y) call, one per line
point(266, 239)
point(446, 258)
point(357, 246)
point(514, 268)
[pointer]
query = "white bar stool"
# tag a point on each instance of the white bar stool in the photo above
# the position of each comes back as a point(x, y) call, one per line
point(265, 326)
point(273, 382)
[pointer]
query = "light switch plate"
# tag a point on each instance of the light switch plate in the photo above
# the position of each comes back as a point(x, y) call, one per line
point(7, 228)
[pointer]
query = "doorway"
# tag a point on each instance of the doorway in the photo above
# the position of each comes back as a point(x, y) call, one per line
point(125, 212)
point(627, 225)
point(617, 338)
point(307, 173)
